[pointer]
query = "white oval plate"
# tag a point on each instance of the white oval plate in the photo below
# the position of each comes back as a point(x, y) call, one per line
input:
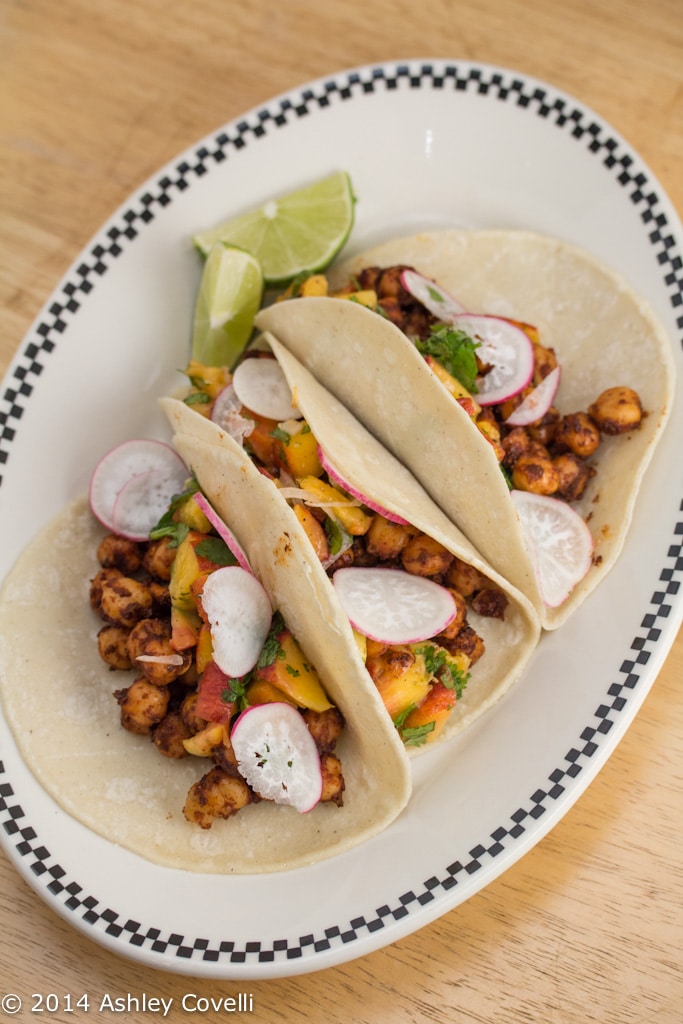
point(428, 144)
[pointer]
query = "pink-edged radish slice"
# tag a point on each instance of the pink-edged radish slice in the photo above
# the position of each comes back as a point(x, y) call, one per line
point(336, 477)
point(537, 402)
point(223, 530)
point(260, 385)
point(432, 296)
point(239, 613)
point(132, 461)
point(507, 349)
point(277, 755)
point(559, 542)
point(226, 414)
point(393, 606)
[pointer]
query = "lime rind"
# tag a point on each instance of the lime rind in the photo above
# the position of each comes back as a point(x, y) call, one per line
point(229, 297)
point(301, 231)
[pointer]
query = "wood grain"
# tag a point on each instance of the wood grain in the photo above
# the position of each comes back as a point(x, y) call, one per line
point(93, 99)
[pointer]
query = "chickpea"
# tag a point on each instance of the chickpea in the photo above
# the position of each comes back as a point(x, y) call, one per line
point(217, 794)
point(116, 552)
point(545, 362)
point(578, 433)
point(515, 444)
point(617, 410)
point(490, 602)
point(143, 705)
point(169, 734)
point(467, 642)
point(535, 473)
point(112, 643)
point(424, 556)
point(123, 600)
point(464, 577)
point(544, 430)
point(333, 780)
point(158, 559)
point(573, 474)
point(385, 539)
point(325, 727)
point(152, 638)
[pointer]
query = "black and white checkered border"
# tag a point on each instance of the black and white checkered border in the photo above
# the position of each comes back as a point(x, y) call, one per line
point(132, 933)
point(503, 86)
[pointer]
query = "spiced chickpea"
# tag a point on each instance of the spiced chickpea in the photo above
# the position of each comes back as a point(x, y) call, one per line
point(617, 410)
point(573, 474)
point(577, 432)
point(116, 552)
point(545, 361)
point(143, 705)
point(464, 577)
point(535, 473)
point(424, 556)
point(112, 644)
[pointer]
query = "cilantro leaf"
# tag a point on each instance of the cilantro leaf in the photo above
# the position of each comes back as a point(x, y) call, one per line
point(216, 550)
point(454, 350)
point(167, 526)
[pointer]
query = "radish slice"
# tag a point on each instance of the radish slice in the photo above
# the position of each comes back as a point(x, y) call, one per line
point(277, 755)
point(503, 346)
point(239, 613)
point(432, 296)
point(261, 385)
point(226, 413)
point(559, 541)
point(131, 463)
point(537, 402)
point(393, 606)
point(338, 479)
point(223, 530)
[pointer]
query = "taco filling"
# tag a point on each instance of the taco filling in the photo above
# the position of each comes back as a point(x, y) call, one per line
point(388, 573)
point(165, 604)
point(519, 380)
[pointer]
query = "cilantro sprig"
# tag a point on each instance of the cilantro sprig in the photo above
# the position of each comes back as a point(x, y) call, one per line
point(167, 525)
point(454, 350)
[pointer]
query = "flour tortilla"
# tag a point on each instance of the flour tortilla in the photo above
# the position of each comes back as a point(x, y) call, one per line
point(368, 467)
point(603, 334)
point(57, 697)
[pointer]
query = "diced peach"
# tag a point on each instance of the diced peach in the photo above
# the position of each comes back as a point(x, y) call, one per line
point(401, 676)
point(263, 692)
point(301, 454)
point(436, 707)
point(292, 674)
point(314, 531)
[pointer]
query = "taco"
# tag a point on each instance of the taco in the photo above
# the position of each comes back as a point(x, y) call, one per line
point(573, 312)
point(368, 529)
point(56, 694)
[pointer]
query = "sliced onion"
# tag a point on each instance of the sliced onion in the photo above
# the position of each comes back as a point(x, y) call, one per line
point(393, 606)
point(223, 530)
point(432, 296)
point(507, 349)
point(338, 479)
point(537, 402)
point(261, 386)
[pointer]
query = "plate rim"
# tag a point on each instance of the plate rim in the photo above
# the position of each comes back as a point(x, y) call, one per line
point(658, 626)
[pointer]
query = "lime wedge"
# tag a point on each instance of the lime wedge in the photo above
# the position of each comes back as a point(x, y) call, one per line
point(301, 231)
point(229, 297)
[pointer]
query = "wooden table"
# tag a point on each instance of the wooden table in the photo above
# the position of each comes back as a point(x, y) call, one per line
point(95, 97)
